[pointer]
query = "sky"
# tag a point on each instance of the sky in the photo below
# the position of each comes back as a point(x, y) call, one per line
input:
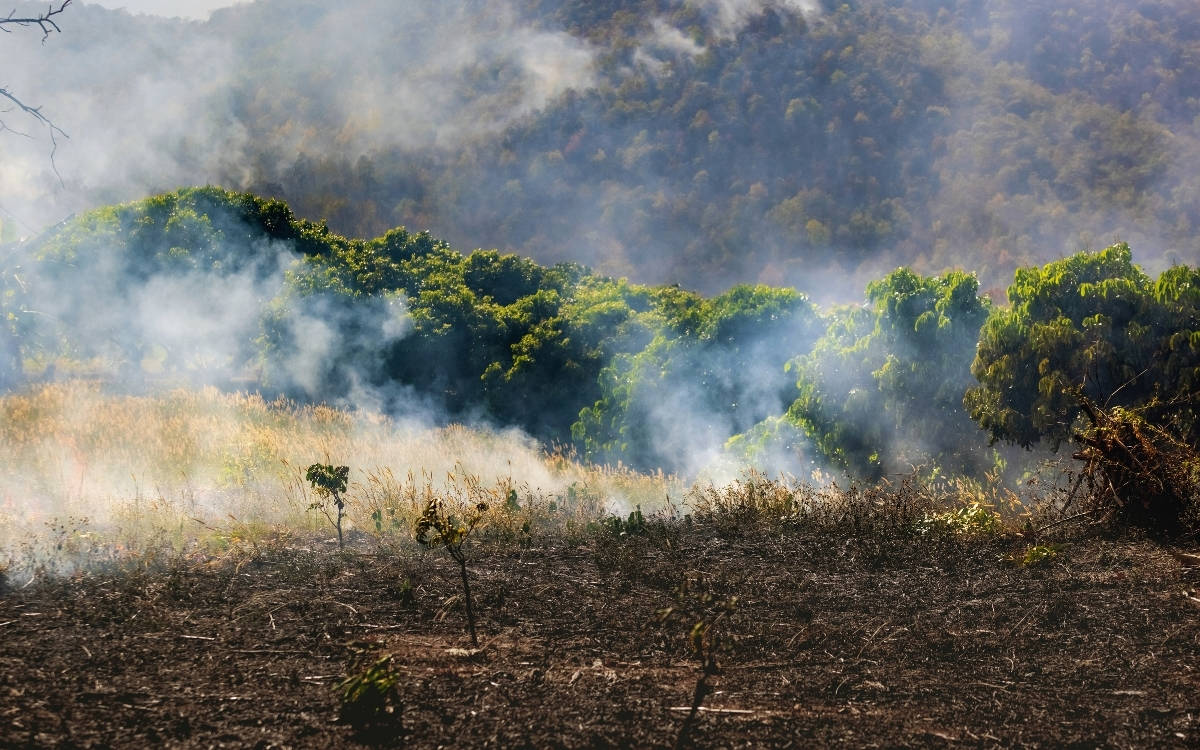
point(183, 8)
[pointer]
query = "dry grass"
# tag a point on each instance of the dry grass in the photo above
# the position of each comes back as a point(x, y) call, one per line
point(88, 477)
point(93, 479)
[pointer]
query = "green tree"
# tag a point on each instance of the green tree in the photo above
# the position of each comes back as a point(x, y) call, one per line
point(713, 369)
point(882, 389)
point(1092, 326)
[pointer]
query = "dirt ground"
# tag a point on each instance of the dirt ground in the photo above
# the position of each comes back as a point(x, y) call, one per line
point(831, 642)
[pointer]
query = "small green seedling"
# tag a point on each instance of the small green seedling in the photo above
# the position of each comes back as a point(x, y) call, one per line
point(329, 482)
point(392, 521)
point(1038, 554)
point(369, 695)
point(438, 528)
point(699, 608)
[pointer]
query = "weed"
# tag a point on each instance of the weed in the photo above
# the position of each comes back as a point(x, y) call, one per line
point(403, 592)
point(1034, 555)
point(438, 528)
point(392, 522)
point(631, 526)
point(974, 519)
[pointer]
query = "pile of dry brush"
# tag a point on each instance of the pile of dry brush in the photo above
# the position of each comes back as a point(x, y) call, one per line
point(1136, 473)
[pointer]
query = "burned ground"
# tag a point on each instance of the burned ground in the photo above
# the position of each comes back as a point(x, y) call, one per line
point(832, 641)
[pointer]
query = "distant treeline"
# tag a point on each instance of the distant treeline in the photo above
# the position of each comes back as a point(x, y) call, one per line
point(689, 141)
point(934, 134)
point(206, 285)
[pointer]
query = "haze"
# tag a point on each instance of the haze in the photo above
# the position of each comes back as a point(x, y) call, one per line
point(196, 9)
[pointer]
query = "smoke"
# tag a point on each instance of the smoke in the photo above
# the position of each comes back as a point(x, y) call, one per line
point(327, 349)
point(689, 430)
point(194, 9)
point(131, 318)
point(727, 17)
point(441, 104)
point(671, 39)
point(151, 104)
point(128, 465)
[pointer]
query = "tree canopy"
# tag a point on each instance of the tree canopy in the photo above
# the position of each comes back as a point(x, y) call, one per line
point(1092, 326)
point(211, 286)
point(882, 390)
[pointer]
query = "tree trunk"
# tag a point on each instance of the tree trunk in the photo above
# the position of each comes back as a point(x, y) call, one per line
point(462, 567)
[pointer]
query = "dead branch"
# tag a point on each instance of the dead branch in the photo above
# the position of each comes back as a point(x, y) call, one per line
point(45, 21)
point(36, 113)
point(1136, 471)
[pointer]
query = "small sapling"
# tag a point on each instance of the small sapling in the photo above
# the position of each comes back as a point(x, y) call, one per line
point(369, 695)
point(329, 482)
point(438, 528)
point(701, 611)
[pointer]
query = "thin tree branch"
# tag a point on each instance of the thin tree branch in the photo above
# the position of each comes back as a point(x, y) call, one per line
point(45, 21)
point(36, 113)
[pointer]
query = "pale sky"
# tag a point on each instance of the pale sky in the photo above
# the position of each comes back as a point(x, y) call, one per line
point(183, 8)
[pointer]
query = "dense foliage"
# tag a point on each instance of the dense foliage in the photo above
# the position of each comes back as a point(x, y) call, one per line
point(882, 390)
point(1093, 326)
point(226, 288)
point(714, 370)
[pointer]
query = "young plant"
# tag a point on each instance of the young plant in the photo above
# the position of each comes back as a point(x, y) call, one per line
point(1035, 555)
point(635, 524)
point(438, 528)
point(329, 482)
point(973, 519)
point(369, 695)
point(702, 611)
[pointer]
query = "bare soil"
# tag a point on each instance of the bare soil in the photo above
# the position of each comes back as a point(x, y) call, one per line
point(833, 642)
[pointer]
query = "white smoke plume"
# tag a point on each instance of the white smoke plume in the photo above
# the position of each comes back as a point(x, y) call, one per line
point(151, 104)
point(727, 17)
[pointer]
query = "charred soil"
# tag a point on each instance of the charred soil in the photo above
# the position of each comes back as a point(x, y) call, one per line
point(832, 642)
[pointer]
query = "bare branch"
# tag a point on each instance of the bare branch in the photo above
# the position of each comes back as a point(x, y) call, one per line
point(45, 21)
point(36, 113)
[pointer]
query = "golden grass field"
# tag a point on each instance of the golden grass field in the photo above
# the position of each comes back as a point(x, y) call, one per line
point(89, 477)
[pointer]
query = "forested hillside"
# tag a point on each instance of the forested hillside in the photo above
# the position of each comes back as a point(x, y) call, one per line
point(700, 142)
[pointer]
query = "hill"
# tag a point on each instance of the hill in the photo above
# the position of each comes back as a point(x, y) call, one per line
point(815, 144)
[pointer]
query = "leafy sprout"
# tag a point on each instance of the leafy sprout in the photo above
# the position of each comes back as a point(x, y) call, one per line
point(702, 611)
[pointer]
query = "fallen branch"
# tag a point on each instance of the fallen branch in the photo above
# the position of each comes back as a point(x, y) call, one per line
point(1136, 472)
point(707, 710)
